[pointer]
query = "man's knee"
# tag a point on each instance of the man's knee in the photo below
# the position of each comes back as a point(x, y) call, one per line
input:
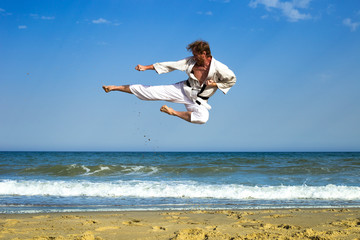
point(199, 118)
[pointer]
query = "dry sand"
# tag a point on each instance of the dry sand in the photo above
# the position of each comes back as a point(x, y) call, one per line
point(225, 224)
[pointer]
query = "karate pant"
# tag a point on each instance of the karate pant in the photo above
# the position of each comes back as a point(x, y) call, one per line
point(172, 93)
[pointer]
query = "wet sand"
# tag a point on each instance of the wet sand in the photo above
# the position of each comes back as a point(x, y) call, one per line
point(225, 224)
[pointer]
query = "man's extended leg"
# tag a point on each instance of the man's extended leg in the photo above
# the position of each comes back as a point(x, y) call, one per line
point(183, 115)
point(124, 88)
point(172, 93)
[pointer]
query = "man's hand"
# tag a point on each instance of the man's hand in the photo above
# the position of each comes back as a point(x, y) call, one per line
point(140, 67)
point(210, 83)
point(143, 68)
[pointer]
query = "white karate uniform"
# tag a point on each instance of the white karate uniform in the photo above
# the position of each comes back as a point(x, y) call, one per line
point(188, 92)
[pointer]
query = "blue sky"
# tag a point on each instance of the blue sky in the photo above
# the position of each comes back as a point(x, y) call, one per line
point(296, 61)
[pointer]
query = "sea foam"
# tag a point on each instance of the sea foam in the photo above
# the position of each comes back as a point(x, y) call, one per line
point(174, 189)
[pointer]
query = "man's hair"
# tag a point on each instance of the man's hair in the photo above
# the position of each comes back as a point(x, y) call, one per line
point(199, 46)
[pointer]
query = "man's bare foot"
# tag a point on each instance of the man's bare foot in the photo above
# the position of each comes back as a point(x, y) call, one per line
point(167, 110)
point(107, 88)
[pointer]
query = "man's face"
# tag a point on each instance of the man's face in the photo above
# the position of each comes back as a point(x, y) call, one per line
point(199, 57)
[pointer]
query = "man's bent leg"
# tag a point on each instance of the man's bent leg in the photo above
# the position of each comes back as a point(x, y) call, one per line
point(183, 115)
point(124, 88)
point(193, 115)
point(199, 114)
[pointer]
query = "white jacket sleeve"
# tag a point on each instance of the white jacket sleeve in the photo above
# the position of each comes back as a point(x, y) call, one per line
point(225, 77)
point(165, 67)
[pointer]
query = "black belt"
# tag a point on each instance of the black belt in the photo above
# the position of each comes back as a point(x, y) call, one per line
point(200, 92)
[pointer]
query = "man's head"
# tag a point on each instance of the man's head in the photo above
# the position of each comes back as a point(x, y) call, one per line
point(200, 50)
point(199, 46)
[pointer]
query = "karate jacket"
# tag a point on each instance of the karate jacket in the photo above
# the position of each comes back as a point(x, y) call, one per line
point(218, 72)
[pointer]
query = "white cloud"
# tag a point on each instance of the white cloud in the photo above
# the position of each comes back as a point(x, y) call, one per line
point(330, 9)
point(209, 13)
point(290, 9)
point(267, 3)
point(22, 27)
point(100, 21)
point(36, 16)
point(221, 1)
point(301, 3)
point(4, 13)
point(352, 25)
point(47, 18)
point(113, 22)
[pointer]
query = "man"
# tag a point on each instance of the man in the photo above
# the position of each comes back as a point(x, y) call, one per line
point(206, 75)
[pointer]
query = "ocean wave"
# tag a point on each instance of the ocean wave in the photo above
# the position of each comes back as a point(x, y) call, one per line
point(174, 189)
point(73, 170)
point(87, 170)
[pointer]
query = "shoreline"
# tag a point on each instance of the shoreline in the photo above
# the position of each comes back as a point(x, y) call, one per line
point(292, 223)
point(115, 210)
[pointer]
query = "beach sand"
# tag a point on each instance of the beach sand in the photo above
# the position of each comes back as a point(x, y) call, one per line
point(223, 224)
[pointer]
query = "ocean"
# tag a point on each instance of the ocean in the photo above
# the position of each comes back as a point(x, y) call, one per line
point(33, 182)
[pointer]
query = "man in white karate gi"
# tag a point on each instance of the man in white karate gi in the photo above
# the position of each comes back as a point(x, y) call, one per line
point(206, 75)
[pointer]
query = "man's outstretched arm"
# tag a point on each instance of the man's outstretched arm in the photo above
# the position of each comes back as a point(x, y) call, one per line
point(144, 68)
